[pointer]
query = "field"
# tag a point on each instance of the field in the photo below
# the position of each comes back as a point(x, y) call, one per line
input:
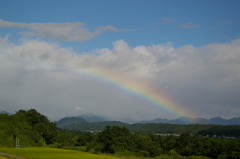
point(52, 153)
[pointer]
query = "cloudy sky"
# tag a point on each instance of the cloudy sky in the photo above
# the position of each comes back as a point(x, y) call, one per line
point(67, 58)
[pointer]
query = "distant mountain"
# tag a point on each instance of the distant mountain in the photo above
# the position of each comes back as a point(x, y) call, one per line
point(77, 123)
point(69, 122)
point(91, 118)
point(96, 123)
point(157, 120)
point(5, 112)
point(234, 121)
point(187, 120)
point(220, 121)
point(128, 120)
point(217, 121)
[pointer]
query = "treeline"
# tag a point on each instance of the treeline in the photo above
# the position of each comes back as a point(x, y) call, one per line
point(34, 129)
point(120, 141)
point(195, 129)
point(75, 123)
point(29, 127)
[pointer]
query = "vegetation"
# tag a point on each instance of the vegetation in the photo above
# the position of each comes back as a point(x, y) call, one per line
point(51, 153)
point(75, 123)
point(30, 127)
point(34, 129)
point(120, 141)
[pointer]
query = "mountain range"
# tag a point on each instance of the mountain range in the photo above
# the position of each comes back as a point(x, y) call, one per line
point(187, 120)
point(91, 118)
point(197, 126)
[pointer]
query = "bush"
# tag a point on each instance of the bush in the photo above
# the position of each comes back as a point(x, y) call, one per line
point(172, 153)
point(143, 153)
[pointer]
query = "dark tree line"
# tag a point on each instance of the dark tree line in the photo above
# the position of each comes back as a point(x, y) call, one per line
point(119, 140)
point(153, 128)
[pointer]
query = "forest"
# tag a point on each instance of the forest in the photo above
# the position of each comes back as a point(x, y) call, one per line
point(79, 124)
point(35, 130)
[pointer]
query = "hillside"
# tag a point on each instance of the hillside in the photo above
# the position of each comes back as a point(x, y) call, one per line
point(91, 118)
point(76, 123)
point(187, 120)
point(29, 127)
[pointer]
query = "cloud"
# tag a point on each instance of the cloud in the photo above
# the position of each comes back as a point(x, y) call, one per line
point(189, 25)
point(44, 76)
point(168, 20)
point(60, 31)
point(80, 108)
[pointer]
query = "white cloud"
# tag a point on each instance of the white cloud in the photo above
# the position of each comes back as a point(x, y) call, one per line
point(59, 31)
point(41, 75)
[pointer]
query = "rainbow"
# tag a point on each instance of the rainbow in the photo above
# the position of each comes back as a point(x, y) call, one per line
point(134, 88)
point(129, 86)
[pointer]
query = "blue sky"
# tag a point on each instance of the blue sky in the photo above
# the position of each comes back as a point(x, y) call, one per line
point(147, 22)
point(188, 50)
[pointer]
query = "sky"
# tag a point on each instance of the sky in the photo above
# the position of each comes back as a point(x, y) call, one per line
point(121, 58)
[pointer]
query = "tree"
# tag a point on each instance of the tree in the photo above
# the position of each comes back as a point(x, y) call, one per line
point(146, 146)
point(169, 143)
point(85, 138)
point(184, 144)
point(115, 139)
point(39, 123)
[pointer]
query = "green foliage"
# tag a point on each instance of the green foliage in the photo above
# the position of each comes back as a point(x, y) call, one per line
point(29, 127)
point(144, 143)
point(115, 139)
point(119, 139)
point(172, 153)
point(219, 130)
point(143, 153)
point(74, 123)
point(39, 123)
point(85, 138)
point(34, 129)
point(184, 144)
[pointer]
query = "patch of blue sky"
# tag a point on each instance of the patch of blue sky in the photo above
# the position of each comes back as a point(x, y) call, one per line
point(148, 22)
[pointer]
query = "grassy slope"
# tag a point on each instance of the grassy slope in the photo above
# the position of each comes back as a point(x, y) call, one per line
point(52, 153)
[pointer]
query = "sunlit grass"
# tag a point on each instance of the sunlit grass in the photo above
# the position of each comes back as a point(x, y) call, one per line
point(52, 153)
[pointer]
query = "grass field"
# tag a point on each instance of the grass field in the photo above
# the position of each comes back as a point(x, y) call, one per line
point(52, 153)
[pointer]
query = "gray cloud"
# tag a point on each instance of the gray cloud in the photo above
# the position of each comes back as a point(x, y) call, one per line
point(46, 77)
point(60, 31)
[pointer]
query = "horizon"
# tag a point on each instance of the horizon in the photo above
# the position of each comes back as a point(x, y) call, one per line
point(106, 118)
point(121, 58)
